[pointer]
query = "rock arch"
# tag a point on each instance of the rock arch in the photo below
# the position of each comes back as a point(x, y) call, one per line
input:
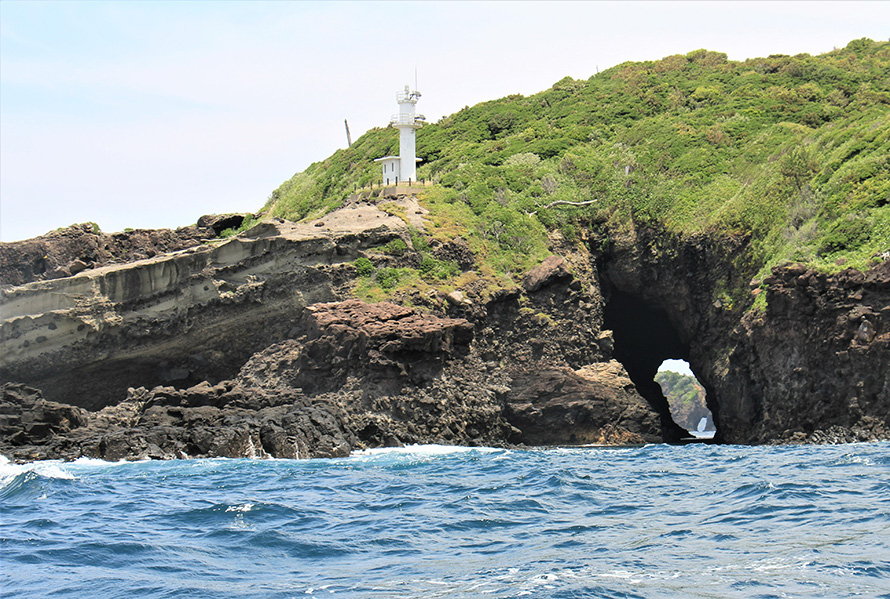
point(807, 367)
point(644, 338)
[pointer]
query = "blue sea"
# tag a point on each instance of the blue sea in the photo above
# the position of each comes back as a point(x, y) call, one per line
point(431, 521)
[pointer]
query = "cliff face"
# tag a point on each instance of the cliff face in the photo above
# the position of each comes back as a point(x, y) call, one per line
point(253, 346)
point(240, 348)
point(178, 318)
point(811, 367)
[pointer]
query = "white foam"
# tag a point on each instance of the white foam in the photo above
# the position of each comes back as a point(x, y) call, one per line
point(7, 471)
point(46, 469)
point(421, 450)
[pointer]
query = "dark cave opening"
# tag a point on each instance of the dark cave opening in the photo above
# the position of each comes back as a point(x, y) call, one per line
point(644, 338)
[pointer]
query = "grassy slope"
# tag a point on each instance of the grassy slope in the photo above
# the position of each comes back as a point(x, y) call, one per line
point(793, 150)
point(685, 395)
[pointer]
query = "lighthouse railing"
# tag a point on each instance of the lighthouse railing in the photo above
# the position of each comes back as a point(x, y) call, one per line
point(408, 96)
point(407, 119)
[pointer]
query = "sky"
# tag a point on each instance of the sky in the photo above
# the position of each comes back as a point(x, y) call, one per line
point(681, 366)
point(150, 114)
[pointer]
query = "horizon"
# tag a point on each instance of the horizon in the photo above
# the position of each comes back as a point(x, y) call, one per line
point(150, 114)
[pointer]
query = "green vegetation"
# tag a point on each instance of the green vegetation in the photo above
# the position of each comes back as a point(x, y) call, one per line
point(363, 267)
point(431, 268)
point(685, 396)
point(378, 283)
point(792, 150)
point(245, 225)
point(396, 247)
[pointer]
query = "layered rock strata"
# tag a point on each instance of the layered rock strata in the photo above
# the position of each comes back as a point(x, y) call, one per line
point(361, 376)
point(177, 318)
point(238, 348)
point(77, 248)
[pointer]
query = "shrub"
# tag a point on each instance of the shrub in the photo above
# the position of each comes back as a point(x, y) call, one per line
point(848, 232)
point(432, 268)
point(246, 224)
point(388, 277)
point(396, 247)
point(363, 267)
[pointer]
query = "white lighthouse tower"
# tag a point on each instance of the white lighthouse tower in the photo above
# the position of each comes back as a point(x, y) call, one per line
point(403, 168)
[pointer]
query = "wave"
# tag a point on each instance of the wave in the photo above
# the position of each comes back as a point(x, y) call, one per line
point(454, 522)
point(9, 471)
point(414, 455)
point(424, 450)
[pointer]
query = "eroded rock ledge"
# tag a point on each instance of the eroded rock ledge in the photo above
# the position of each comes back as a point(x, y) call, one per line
point(77, 248)
point(362, 375)
point(177, 318)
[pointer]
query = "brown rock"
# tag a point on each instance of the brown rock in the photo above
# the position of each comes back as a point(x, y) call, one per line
point(221, 222)
point(550, 271)
point(597, 404)
point(456, 298)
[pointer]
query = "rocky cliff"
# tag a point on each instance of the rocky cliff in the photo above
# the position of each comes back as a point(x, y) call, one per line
point(814, 365)
point(251, 346)
point(176, 318)
point(68, 251)
point(810, 366)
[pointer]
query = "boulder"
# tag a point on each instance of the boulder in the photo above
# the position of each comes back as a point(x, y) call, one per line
point(221, 222)
point(597, 404)
point(550, 271)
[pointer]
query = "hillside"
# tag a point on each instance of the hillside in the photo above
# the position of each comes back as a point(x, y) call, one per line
point(686, 398)
point(793, 151)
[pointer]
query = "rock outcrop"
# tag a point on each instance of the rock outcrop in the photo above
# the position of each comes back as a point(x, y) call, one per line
point(597, 404)
point(251, 347)
point(814, 365)
point(810, 367)
point(77, 248)
point(177, 318)
point(255, 346)
point(361, 376)
point(551, 270)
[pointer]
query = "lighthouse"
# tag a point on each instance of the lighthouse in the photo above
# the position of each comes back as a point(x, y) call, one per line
point(403, 168)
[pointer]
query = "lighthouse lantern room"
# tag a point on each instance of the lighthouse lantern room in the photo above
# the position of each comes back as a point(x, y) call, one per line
point(403, 168)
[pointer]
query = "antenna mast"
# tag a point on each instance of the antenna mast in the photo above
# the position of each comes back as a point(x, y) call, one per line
point(348, 137)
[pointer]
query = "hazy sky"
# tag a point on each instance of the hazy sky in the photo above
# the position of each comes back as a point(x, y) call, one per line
point(150, 114)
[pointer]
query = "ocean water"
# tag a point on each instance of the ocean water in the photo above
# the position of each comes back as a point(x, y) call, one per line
point(431, 521)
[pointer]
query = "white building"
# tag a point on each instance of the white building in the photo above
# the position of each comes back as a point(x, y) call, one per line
point(403, 168)
point(391, 170)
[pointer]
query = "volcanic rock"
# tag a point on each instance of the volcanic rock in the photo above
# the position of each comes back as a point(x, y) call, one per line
point(551, 270)
point(597, 404)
